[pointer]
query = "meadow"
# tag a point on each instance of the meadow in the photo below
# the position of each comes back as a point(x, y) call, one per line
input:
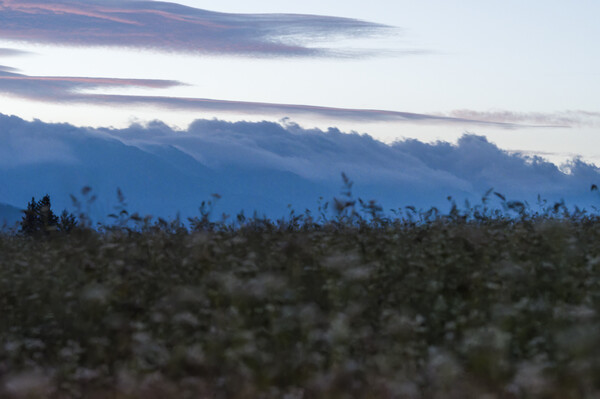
point(476, 302)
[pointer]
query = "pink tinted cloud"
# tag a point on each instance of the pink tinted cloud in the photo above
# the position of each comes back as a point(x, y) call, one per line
point(173, 27)
point(60, 9)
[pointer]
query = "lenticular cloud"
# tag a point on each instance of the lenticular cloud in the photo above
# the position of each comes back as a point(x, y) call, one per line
point(173, 27)
point(71, 89)
point(265, 167)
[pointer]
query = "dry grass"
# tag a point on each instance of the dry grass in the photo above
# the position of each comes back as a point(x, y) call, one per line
point(422, 306)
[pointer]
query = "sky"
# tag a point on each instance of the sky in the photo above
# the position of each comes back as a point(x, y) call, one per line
point(524, 75)
point(507, 61)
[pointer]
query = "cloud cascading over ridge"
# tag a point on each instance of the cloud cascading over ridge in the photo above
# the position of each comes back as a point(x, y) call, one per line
point(172, 27)
point(265, 166)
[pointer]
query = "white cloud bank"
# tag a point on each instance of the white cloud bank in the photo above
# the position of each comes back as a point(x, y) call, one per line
point(265, 166)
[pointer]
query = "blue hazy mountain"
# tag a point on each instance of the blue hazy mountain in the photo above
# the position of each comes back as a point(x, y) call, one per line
point(262, 167)
point(156, 180)
point(9, 215)
point(158, 184)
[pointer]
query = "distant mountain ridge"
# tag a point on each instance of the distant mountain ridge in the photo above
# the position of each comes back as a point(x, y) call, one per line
point(263, 167)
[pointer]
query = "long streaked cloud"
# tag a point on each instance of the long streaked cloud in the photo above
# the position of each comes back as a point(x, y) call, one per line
point(173, 27)
point(4, 68)
point(571, 118)
point(64, 88)
point(57, 89)
point(283, 110)
point(11, 52)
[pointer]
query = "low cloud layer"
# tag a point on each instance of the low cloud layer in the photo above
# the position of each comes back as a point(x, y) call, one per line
point(172, 27)
point(264, 167)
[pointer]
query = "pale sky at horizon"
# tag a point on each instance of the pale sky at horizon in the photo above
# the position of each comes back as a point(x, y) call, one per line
point(510, 61)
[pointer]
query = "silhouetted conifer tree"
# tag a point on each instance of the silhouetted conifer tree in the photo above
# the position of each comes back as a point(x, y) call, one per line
point(39, 218)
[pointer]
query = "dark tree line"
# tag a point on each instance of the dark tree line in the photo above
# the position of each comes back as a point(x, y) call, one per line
point(39, 219)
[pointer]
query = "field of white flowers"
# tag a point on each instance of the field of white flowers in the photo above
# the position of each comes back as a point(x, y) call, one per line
point(464, 305)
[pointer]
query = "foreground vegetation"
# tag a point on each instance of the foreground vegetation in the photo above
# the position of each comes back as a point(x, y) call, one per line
point(422, 305)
